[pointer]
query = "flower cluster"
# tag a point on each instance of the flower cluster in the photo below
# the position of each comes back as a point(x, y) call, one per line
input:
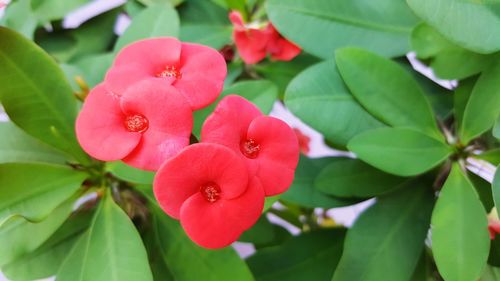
point(254, 42)
point(142, 114)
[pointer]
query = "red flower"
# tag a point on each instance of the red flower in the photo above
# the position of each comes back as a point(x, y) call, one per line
point(251, 42)
point(279, 47)
point(268, 145)
point(254, 43)
point(208, 188)
point(494, 228)
point(196, 71)
point(303, 141)
point(148, 124)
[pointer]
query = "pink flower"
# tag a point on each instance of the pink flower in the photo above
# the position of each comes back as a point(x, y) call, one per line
point(251, 42)
point(304, 141)
point(279, 47)
point(196, 71)
point(254, 43)
point(148, 124)
point(207, 187)
point(268, 145)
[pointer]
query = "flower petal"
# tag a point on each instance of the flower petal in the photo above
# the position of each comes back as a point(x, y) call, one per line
point(229, 122)
point(251, 44)
point(119, 78)
point(196, 165)
point(279, 47)
point(236, 19)
point(203, 71)
point(218, 224)
point(100, 127)
point(278, 155)
point(151, 54)
point(170, 122)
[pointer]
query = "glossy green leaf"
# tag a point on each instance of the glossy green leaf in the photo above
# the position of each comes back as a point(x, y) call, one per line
point(495, 186)
point(465, 22)
point(460, 239)
point(319, 97)
point(154, 21)
point(111, 250)
point(203, 12)
point(48, 10)
point(20, 17)
point(310, 256)
point(94, 67)
point(381, 26)
point(215, 36)
point(158, 267)
point(448, 60)
point(386, 90)
point(492, 156)
point(264, 234)
point(353, 178)
point(45, 261)
point(399, 151)
point(483, 189)
point(302, 191)
point(496, 128)
point(461, 97)
point(282, 72)
point(19, 237)
point(130, 174)
point(33, 191)
point(17, 146)
point(483, 107)
point(36, 95)
point(374, 249)
point(261, 93)
point(211, 265)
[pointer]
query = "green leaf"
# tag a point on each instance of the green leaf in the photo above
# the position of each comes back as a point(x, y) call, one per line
point(153, 2)
point(448, 60)
point(496, 128)
point(33, 191)
point(46, 260)
point(130, 174)
point(381, 26)
point(154, 21)
point(111, 250)
point(215, 36)
point(460, 99)
point(203, 12)
point(310, 256)
point(466, 23)
point(483, 189)
point(264, 234)
point(374, 249)
point(19, 237)
point(460, 239)
point(17, 146)
point(19, 16)
point(302, 191)
point(386, 90)
point(210, 265)
point(48, 10)
point(35, 94)
point(353, 178)
point(495, 186)
point(491, 274)
point(261, 93)
point(483, 107)
point(492, 156)
point(94, 67)
point(282, 72)
point(399, 151)
point(319, 94)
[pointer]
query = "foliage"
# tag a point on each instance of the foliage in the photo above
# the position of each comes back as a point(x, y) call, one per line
point(63, 213)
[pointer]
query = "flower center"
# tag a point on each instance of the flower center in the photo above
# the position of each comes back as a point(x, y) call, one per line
point(136, 123)
point(250, 148)
point(169, 71)
point(210, 191)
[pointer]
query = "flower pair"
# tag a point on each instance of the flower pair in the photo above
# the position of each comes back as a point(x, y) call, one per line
point(142, 112)
point(255, 42)
point(217, 188)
